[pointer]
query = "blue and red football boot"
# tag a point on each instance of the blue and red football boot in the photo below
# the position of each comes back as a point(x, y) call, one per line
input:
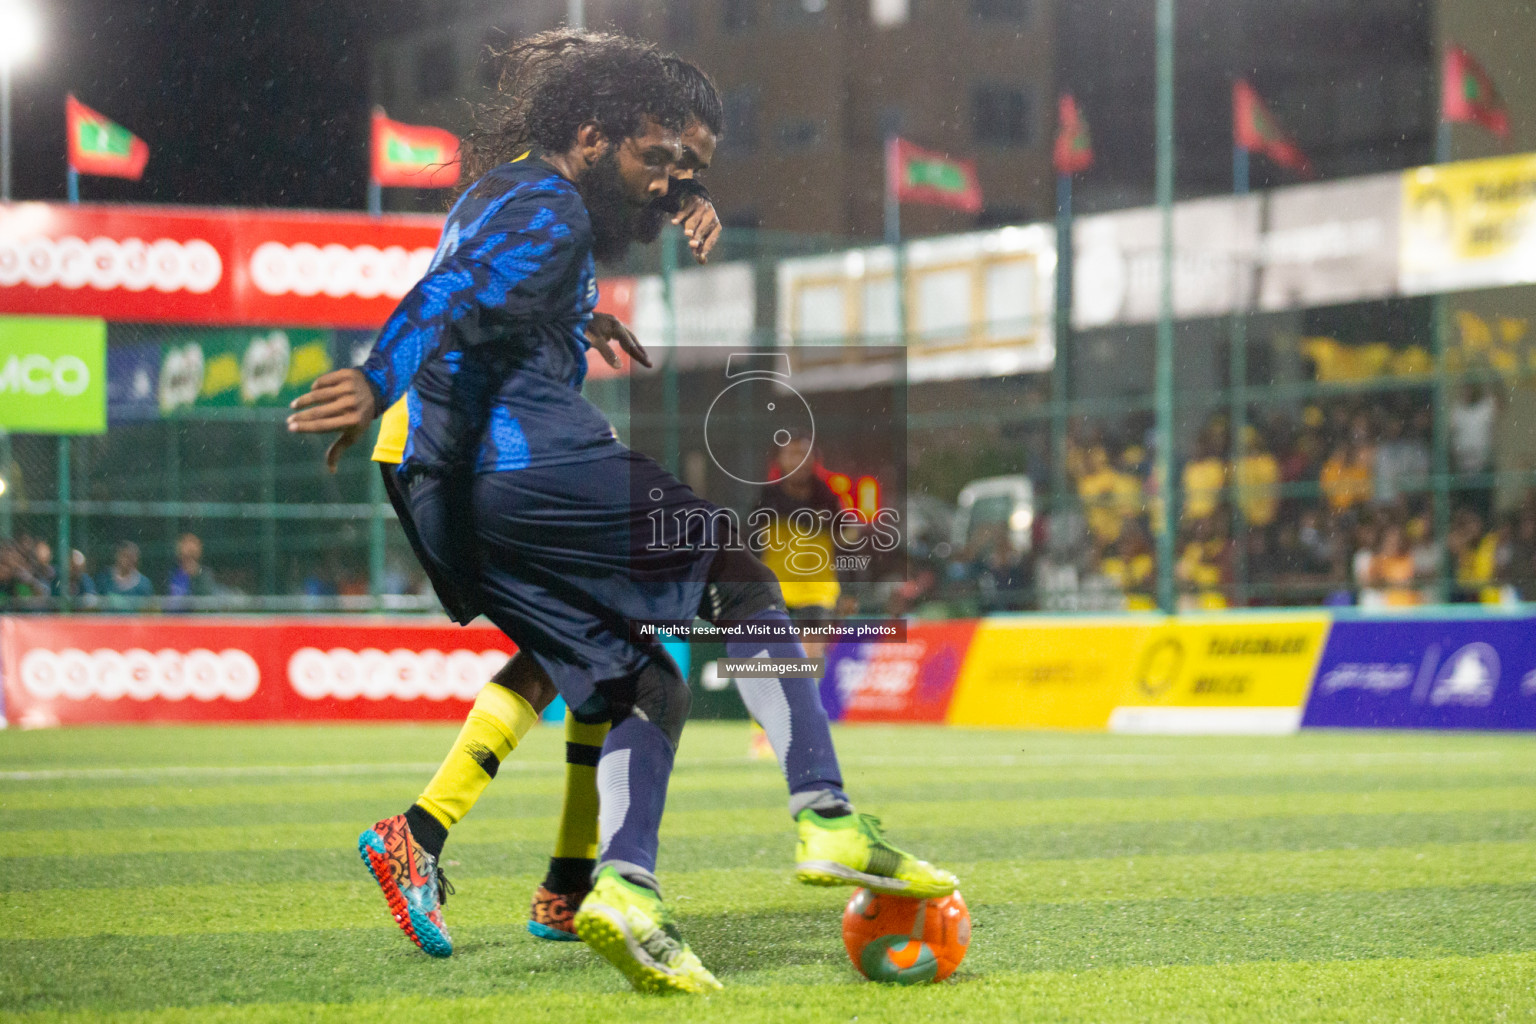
point(413, 884)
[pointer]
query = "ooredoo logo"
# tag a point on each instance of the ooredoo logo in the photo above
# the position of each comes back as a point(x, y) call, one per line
point(108, 264)
point(74, 674)
point(339, 271)
point(404, 675)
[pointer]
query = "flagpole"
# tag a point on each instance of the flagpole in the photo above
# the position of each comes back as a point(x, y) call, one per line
point(1059, 370)
point(1439, 431)
point(61, 553)
point(893, 237)
point(1237, 386)
point(5, 130)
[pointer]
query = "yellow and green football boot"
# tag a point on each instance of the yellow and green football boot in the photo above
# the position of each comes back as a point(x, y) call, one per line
point(850, 850)
point(629, 926)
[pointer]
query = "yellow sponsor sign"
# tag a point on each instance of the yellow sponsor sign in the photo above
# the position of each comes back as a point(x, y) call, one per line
point(1047, 673)
point(1228, 661)
point(1468, 225)
point(1073, 674)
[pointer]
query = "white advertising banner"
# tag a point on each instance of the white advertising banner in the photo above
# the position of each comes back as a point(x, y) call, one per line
point(1330, 243)
point(978, 305)
point(1118, 256)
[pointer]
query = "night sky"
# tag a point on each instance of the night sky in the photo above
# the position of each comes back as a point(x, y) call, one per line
point(242, 102)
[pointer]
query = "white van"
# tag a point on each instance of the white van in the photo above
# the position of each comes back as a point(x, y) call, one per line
point(997, 501)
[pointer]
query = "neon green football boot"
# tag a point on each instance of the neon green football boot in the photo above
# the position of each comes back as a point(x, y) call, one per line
point(627, 925)
point(849, 850)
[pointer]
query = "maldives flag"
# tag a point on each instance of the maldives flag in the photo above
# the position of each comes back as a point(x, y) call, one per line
point(915, 175)
point(1254, 129)
point(1074, 146)
point(414, 156)
point(100, 146)
point(1467, 93)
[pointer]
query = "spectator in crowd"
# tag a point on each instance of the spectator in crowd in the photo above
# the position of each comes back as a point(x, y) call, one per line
point(123, 583)
point(1204, 477)
point(1109, 496)
point(18, 581)
point(81, 588)
point(1258, 479)
point(1472, 422)
point(1204, 568)
point(1475, 553)
point(1389, 572)
point(1133, 568)
point(190, 578)
point(1472, 419)
point(1402, 462)
point(1346, 478)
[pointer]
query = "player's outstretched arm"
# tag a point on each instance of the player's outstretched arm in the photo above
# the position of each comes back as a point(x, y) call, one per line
point(701, 224)
point(604, 329)
point(337, 401)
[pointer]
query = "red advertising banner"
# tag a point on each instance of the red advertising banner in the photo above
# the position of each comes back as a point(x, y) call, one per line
point(905, 682)
point(233, 267)
point(72, 670)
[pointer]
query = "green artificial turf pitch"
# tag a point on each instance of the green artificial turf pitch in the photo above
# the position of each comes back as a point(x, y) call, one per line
point(212, 874)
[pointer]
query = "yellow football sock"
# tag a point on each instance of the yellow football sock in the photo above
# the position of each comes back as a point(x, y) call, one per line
point(577, 836)
point(499, 719)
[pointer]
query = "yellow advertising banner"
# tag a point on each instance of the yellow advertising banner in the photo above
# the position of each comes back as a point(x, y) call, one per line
point(1228, 661)
point(1048, 673)
point(1084, 674)
point(1468, 225)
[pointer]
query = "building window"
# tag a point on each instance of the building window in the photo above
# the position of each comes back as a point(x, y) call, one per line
point(1000, 10)
point(741, 111)
point(800, 12)
point(737, 16)
point(798, 133)
point(889, 13)
point(1002, 115)
point(436, 70)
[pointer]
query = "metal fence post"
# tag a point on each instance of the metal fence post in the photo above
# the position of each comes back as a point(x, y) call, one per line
point(376, 500)
point(1163, 387)
point(1440, 434)
point(61, 556)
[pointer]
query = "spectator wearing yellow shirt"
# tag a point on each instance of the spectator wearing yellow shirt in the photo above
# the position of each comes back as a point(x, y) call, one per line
point(1133, 569)
point(1204, 478)
point(1346, 478)
point(1390, 572)
point(1476, 553)
point(1109, 496)
point(1203, 569)
point(1258, 481)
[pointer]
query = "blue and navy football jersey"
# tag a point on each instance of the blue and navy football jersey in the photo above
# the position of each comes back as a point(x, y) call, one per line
point(489, 348)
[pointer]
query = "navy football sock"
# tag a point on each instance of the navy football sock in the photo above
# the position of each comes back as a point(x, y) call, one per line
point(632, 792)
point(790, 711)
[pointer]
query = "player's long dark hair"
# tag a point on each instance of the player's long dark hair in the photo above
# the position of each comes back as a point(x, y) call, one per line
point(703, 96)
point(551, 83)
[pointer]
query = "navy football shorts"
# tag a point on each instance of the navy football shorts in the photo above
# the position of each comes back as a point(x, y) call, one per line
point(567, 559)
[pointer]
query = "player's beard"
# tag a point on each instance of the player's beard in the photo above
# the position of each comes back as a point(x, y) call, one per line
point(616, 221)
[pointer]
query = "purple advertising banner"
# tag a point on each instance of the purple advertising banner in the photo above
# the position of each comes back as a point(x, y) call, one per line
point(1423, 674)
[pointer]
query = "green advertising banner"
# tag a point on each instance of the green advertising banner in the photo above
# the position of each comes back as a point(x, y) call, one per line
point(53, 375)
point(229, 368)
